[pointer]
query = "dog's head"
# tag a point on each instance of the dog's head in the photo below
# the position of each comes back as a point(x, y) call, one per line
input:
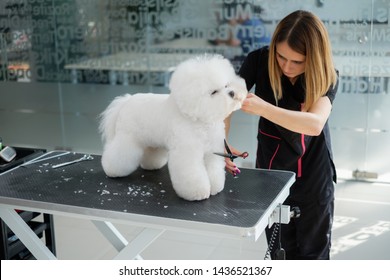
point(206, 88)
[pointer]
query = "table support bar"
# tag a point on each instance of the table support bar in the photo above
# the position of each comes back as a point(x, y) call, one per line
point(111, 233)
point(138, 244)
point(25, 234)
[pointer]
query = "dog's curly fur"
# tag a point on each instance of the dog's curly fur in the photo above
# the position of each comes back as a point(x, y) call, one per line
point(183, 128)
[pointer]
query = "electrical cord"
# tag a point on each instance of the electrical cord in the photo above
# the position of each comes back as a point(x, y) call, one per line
point(272, 242)
point(280, 253)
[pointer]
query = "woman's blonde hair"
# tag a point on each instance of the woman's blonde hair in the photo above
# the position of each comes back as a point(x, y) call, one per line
point(305, 34)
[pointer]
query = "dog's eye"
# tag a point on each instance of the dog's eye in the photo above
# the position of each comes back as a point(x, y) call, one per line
point(214, 92)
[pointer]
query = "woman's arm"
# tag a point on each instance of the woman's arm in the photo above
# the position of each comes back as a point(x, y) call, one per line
point(309, 123)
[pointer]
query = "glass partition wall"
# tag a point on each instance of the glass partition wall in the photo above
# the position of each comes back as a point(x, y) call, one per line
point(360, 118)
point(63, 61)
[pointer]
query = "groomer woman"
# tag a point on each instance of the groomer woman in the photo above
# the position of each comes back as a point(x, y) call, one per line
point(295, 85)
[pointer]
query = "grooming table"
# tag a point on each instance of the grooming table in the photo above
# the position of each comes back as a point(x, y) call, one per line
point(123, 62)
point(145, 199)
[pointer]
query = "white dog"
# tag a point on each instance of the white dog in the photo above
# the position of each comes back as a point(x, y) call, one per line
point(183, 128)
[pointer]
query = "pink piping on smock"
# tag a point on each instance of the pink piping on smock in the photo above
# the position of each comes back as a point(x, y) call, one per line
point(277, 148)
point(303, 151)
point(300, 159)
point(299, 168)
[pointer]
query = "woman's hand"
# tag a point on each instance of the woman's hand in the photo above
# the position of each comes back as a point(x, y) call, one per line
point(253, 104)
point(230, 166)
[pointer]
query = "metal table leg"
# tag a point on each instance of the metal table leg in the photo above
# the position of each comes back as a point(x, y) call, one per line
point(25, 234)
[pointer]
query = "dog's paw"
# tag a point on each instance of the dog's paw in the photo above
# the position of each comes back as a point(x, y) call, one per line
point(217, 180)
point(196, 196)
point(216, 188)
point(193, 193)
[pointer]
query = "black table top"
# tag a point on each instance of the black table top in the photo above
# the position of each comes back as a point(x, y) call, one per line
point(83, 188)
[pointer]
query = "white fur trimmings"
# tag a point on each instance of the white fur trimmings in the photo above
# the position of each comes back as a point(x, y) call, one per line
point(183, 128)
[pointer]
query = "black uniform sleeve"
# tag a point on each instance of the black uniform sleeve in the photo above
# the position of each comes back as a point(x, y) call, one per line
point(331, 94)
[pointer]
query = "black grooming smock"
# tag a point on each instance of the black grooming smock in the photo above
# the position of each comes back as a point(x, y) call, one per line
point(310, 157)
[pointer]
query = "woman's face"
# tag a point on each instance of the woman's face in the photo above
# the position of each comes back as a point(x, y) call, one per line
point(291, 62)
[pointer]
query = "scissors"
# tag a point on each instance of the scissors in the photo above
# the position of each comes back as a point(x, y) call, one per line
point(229, 153)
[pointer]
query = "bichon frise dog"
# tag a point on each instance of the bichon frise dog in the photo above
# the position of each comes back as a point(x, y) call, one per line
point(183, 128)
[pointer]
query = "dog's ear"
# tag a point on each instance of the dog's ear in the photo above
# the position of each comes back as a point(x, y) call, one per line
point(187, 84)
point(185, 93)
point(193, 82)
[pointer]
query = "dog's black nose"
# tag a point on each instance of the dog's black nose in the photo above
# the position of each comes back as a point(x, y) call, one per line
point(231, 94)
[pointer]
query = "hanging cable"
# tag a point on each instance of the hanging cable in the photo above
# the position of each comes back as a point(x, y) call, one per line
point(280, 253)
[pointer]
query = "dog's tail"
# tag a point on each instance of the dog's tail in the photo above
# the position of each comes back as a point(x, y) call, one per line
point(108, 118)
